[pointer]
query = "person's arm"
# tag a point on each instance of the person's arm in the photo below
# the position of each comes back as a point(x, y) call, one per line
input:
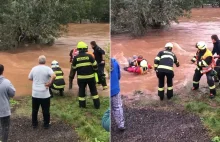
point(176, 61)
point(52, 77)
point(73, 69)
point(71, 55)
point(206, 62)
point(94, 63)
point(11, 90)
point(106, 120)
point(214, 50)
point(157, 60)
point(102, 52)
point(30, 76)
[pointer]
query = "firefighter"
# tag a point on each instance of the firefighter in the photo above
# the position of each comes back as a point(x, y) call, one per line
point(100, 59)
point(86, 67)
point(59, 83)
point(205, 64)
point(72, 54)
point(163, 65)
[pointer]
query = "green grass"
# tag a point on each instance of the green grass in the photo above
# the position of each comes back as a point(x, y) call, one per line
point(209, 112)
point(86, 122)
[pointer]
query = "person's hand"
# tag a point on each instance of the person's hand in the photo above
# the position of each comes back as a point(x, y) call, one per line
point(102, 62)
point(47, 85)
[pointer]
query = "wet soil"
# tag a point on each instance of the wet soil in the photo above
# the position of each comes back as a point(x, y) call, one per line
point(18, 63)
point(203, 23)
point(21, 131)
point(159, 125)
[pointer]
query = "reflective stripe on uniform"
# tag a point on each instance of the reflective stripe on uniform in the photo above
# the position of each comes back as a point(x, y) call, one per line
point(74, 67)
point(82, 98)
point(194, 59)
point(83, 64)
point(212, 87)
point(160, 89)
point(194, 82)
point(59, 77)
point(200, 63)
point(94, 64)
point(155, 65)
point(58, 86)
point(95, 97)
point(157, 58)
point(197, 68)
point(165, 67)
point(204, 63)
point(58, 72)
point(170, 88)
point(86, 76)
point(167, 56)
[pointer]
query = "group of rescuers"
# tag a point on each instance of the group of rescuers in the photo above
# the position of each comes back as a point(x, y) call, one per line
point(204, 59)
point(163, 65)
point(90, 71)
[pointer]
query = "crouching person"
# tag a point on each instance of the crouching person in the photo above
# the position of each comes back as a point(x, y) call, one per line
point(7, 90)
point(58, 83)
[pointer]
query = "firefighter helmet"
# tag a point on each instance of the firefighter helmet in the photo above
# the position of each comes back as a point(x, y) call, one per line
point(144, 63)
point(201, 45)
point(169, 45)
point(54, 64)
point(82, 45)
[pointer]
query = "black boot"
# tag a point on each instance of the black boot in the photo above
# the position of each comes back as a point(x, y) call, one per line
point(82, 104)
point(96, 103)
point(61, 92)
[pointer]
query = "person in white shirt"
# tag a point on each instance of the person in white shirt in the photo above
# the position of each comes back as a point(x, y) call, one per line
point(42, 77)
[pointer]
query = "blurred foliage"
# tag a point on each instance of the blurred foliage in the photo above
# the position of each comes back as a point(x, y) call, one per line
point(138, 16)
point(41, 21)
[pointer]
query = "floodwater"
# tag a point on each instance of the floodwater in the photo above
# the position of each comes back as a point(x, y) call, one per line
point(19, 62)
point(203, 23)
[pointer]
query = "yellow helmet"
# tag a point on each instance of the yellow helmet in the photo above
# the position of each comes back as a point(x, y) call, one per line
point(82, 45)
point(201, 45)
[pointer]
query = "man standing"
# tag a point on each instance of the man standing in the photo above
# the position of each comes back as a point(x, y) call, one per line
point(86, 67)
point(7, 91)
point(163, 65)
point(216, 49)
point(42, 77)
point(205, 65)
point(116, 102)
point(99, 54)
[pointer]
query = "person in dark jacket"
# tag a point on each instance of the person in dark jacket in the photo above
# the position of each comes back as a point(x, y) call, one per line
point(116, 102)
point(216, 50)
point(7, 91)
point(86, 67)
point(99, 54)
point(163, 65)
point(59, 82)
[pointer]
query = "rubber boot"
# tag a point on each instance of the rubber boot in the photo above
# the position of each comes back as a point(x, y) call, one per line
point(96, 103)
point(82, 104)
point(61, 92)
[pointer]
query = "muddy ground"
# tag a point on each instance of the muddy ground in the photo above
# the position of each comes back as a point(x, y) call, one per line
point(159, 124)
point(21, 131)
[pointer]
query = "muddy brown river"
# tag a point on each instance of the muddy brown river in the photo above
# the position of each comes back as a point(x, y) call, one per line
point(19, 62)
point(203, 23)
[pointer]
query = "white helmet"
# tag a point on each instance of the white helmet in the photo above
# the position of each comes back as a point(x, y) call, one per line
point(144, 63)
point(54, 64)
point(169, 45)
point(201, 45)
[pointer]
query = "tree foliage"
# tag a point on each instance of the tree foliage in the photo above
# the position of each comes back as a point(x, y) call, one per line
point(137, 16)
point(41, 21)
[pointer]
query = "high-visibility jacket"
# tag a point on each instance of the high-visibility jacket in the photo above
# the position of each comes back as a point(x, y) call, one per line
point(85, 66)
point(204, 60)
point(59, 82)
point(165, 60)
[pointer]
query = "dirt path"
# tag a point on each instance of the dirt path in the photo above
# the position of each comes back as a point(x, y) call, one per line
point(21, 131)
point(157, 125)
